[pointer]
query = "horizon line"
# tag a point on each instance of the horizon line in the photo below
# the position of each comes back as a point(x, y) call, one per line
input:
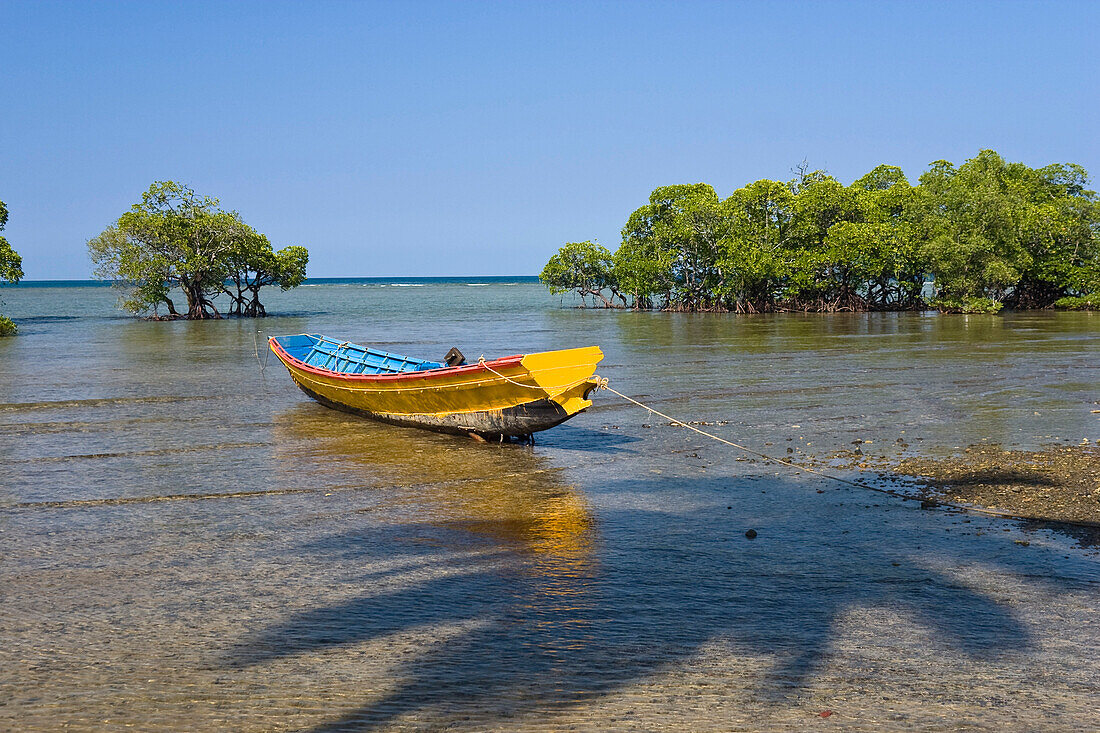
point(29, 281)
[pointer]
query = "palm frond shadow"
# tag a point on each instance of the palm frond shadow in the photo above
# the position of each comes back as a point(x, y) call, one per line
point(562, 615)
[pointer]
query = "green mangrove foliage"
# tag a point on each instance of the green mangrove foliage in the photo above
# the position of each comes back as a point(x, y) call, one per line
point(584, 268)
point(177, 239)
point(252, 264)
point(11, 269)
point(975, 238)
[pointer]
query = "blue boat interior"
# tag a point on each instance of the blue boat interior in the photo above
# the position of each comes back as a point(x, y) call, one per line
point(348, 358)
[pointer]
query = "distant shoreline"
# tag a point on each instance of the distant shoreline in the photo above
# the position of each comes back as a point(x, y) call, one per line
point(485, 279)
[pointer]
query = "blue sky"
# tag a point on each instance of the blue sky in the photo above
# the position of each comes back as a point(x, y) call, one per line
point(467, 138)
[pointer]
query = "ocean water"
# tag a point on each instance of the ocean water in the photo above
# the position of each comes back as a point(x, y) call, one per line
point(188, 542)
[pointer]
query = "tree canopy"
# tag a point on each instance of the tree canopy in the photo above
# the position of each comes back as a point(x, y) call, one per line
point(976, 237)
point(11, 264)
point(175, 239)
point(582, 267)
point(11, 268)
point(253, 263)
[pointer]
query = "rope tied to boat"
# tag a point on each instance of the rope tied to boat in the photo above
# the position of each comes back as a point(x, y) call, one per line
point(602, 383)
point(599, 382)
point(261, 364)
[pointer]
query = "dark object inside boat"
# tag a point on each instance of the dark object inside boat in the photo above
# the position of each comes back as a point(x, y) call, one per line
point(454, 357)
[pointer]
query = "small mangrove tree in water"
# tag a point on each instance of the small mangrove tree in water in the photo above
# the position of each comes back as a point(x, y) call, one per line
point(584, 268)
point(11, 269)
point(971, 238)
point(176, 239)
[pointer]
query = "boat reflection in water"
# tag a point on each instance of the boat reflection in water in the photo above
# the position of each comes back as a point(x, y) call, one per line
point(440, 570)
point(462, 491)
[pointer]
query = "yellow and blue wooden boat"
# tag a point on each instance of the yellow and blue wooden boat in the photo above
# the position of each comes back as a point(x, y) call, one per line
point(511, 396)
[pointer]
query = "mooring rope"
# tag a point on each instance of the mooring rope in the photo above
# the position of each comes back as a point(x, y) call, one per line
point(930, 503)
point(571, 385)
point(262, 364)
point(602, 383)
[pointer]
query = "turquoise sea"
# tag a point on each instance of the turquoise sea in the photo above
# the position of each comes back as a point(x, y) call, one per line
point(188, 542)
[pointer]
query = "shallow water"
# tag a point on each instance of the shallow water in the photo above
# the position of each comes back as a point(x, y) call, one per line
point(190, 543)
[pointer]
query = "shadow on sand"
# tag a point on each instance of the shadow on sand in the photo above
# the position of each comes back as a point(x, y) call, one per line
point(560, 606)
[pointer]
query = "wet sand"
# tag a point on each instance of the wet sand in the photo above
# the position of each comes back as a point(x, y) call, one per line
point(1059, 483)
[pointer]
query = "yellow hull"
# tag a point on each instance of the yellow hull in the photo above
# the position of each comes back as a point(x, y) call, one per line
point(514, 395)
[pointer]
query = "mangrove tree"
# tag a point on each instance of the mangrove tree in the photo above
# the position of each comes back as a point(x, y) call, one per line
point(976, 237)
point(11, 269)
point(176, 239)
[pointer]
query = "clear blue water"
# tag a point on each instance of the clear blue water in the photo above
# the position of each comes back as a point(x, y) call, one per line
point(190, 543)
